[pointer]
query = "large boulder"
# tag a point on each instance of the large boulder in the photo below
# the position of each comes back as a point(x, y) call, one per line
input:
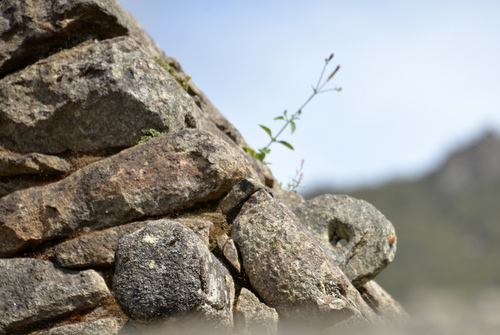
point(94, 96)
point(289, 270)
point(32, 30)
point(33, 290)
point(356, 235)
point(167, 173)
point(166, 278)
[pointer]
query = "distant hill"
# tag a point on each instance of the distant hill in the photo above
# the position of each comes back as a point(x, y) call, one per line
point(448, 222)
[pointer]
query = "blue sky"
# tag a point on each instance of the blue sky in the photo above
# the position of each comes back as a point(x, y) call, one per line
point(419, 77)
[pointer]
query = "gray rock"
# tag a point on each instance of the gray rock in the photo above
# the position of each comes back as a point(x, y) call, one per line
point(98, 248)
point(291, 199)
point(353, 232)
point(226, 245)
point(33, 163)
point(216, 123)
point(166, 278)
point(289, 270)
point(33, 290)
point(108, 326)
point(31, 31)
point(253, 317)
point(383, 304)
point(97, 95)
point(239, 194)
point(165, 174)
point(94, 249)
point(129, 329)
point(201, 227)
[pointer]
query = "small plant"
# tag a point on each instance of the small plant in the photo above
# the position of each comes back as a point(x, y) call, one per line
point(289, 120)
point(149, 134)
point(183, 81)
point(296, 181)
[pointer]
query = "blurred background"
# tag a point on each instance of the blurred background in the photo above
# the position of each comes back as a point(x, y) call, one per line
point(415, 130)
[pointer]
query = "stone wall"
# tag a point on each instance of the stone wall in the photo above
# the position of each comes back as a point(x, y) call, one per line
point(101, 234)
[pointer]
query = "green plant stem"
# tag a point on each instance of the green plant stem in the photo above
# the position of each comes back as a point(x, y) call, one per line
point(261, 154)
point(317, 90)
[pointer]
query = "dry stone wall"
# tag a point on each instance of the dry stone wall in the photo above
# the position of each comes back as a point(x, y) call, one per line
point(182, 234)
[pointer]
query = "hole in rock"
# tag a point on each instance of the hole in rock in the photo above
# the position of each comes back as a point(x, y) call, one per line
point(338, 234)
point(341, 243)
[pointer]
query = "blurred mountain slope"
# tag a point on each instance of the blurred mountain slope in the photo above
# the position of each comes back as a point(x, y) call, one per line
point(447, 222)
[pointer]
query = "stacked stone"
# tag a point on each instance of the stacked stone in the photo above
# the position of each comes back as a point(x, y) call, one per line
point(185, 233)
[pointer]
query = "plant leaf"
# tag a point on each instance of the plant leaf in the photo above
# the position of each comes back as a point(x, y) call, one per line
point(292, 124)
point(267, 130)
point(286, 144)
point(250, 151)
point(264, 151)
point(279, 118)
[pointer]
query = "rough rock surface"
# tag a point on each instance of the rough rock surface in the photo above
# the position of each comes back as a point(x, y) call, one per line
point(94, 249)
point(253, 317)
point(166, 173)
point(383, 304)
point(369, 238)
point(34, 163)
point(30, 31)
point(201, 227)
point(165, 275)
point(99, 248)
point(228, 249)
point(108, 326)
point(78, 85)
point(43, 292)
point(239, 194)
point(288, 269)
point(97, 95)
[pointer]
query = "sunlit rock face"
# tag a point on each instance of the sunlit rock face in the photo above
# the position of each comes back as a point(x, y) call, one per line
point(354, 233)
point(107, 228)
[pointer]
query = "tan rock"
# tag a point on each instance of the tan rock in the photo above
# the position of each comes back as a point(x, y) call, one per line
point(167, 173)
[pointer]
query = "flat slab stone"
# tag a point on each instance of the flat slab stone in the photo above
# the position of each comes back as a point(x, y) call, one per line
point(94, 249)
point(33, 290)
point(167, 173)
point(99, 248)
point(353, 232)
point(33, 163)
